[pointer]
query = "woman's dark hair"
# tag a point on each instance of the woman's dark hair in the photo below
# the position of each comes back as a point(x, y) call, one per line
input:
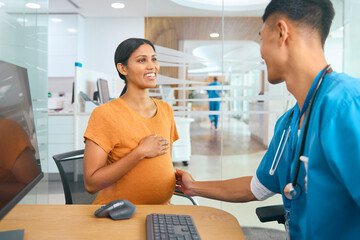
point(317, 14)
point(123, 52)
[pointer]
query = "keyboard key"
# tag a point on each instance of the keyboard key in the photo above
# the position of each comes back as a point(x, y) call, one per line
point(170, 227)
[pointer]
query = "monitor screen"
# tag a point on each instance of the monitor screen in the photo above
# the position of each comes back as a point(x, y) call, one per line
point(20, 167)
point(103, 89)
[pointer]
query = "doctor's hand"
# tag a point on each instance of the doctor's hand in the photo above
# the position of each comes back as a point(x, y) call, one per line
point(153, 146)
point(184, 181)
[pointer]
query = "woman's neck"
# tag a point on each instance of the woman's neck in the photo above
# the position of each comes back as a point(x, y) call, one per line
point(140, 102)
point(137, 97)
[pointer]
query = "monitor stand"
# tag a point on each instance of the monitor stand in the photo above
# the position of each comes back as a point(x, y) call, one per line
point(12, 235)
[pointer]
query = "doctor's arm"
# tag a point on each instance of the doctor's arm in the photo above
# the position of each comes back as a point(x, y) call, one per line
point(232, 190)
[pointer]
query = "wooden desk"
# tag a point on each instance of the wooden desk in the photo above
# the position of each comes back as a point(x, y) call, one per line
point(78, 222)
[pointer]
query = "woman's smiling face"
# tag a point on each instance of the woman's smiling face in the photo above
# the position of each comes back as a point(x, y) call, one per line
point(142, 67)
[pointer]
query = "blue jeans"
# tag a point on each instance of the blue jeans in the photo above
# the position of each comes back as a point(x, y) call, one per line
point(214, 106)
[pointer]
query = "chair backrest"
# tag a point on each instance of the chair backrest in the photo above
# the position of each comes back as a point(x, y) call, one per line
point(69, 165)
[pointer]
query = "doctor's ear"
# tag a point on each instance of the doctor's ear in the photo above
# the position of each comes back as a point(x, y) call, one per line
point(283, 31)
point(122, 69)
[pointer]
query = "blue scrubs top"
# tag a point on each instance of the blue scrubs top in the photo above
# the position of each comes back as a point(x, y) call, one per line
point(214, 93)
point(330, 209)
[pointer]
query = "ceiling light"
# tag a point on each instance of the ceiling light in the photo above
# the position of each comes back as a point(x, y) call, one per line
point(56, 20)
point(21, 20)
point(228, 5)
point(33, 5)
point(117, 5)
point(2, 4)
point(72, 30)
point(214, 35)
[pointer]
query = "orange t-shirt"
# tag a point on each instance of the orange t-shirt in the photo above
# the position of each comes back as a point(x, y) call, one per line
point(118, 129)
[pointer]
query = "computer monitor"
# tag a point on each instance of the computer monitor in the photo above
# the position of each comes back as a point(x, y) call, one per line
point(103, 89)
point(20, 168)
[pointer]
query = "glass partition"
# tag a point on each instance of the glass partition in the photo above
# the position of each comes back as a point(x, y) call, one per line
point(351, 37)
point(198, 41)
point(230, 121)
point(23, 42)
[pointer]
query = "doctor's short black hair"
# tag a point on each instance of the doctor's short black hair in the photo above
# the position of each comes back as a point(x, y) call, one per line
point(317, 14)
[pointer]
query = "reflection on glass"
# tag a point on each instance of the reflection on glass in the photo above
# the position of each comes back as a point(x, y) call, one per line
point(19, 154)
point(18, 165)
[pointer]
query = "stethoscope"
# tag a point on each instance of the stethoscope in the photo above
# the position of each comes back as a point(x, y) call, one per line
point(293, 190)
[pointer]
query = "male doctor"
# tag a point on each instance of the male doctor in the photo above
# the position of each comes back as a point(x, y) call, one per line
point(326, 200)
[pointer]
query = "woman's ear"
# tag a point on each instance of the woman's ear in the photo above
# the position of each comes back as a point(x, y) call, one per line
point(122, 69)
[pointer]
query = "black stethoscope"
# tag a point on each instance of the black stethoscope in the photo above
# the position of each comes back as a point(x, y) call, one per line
point(293, 190)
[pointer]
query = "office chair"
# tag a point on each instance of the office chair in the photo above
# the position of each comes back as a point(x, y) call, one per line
point(73, 183)
point(268, 214)
point(271, 213)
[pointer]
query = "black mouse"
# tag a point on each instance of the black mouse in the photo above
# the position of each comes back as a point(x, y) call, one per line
point(117, 210)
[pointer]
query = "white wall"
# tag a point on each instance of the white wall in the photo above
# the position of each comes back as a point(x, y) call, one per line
point(103, 35)
point(352, 38)
point(334, 53)
point(93, 45)
point(65, 48)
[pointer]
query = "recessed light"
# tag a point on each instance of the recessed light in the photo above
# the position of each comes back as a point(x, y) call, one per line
point(21, 20)
point(2, 4)
point(214, 35)
point(228, 5)
point(117, 5)
point(56, 20)
point(72, 30)
point(33, 5)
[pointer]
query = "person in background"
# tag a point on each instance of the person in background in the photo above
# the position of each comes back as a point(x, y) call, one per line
point(214, 105)
point(128, 139)
point(316, 170)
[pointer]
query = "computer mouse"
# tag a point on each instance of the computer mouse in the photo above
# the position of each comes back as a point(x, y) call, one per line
point(117, 210)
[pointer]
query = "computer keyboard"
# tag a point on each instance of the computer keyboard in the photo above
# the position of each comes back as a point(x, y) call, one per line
point(170, 226)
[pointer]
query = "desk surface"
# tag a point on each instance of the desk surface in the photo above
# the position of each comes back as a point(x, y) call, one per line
point(78, 222)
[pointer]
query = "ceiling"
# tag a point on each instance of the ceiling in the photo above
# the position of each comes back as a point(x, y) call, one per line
point(236, 56)
point(237, 53)
point(138, 8)
point(98, 8)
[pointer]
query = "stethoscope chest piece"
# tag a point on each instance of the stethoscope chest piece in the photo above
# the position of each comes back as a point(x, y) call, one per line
point(291, 192)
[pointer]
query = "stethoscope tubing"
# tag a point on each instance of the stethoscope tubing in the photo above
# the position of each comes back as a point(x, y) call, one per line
point(292, 190)
point(272, 168)
point(306, 125)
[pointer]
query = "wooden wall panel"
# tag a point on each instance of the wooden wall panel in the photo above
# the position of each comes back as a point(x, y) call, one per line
point(168, 31)
point(199, 28)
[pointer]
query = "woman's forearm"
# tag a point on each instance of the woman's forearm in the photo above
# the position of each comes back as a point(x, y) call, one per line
point(109, 174)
